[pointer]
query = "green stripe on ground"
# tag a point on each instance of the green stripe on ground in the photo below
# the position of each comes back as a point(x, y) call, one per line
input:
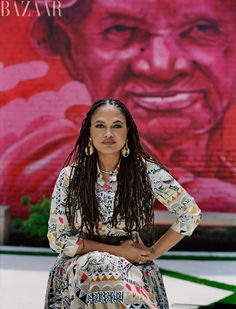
point(231, 299)
point(203, 281)
point(225, 303)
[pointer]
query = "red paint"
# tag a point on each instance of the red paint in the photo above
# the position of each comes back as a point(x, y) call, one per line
point(179, 88)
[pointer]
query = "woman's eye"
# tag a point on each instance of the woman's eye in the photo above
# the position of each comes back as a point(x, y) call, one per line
point(99, 125)
point(117, 126)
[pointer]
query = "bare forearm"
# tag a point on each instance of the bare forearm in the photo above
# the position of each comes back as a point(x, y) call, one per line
point(166, 242)
point(91, 245)
point(125, 249)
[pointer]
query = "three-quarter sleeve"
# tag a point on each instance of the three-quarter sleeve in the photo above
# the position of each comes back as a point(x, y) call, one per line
point(60, 236)
point(177, 200)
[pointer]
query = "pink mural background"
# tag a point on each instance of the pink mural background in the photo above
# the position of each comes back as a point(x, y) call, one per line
point(173, 64)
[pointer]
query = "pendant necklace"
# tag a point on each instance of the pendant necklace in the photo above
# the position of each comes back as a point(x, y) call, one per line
point(105, 172)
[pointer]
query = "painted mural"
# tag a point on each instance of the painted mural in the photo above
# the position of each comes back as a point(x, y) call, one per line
point(172, 62)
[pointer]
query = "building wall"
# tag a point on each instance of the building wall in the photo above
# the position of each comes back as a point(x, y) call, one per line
point(42, 105)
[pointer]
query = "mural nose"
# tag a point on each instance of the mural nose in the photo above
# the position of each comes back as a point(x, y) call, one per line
point(162, 59)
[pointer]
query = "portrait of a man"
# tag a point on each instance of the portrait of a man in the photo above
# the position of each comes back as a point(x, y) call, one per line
point(172, 62)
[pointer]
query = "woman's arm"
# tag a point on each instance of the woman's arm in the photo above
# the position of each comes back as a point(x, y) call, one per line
point(177, 200)
point(165, 243)
point(126, 250)
point(162, 245)
point(60, 236)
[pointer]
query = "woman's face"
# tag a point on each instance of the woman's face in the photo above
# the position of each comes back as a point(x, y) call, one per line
point(108, 130)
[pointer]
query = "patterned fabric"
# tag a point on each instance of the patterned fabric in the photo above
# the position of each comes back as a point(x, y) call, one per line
point(101, 280)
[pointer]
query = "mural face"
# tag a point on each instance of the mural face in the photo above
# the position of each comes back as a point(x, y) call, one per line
point(169, 62)
point(172, 62)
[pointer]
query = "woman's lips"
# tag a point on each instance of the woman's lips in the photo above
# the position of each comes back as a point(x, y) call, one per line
point(108, 143)
point(166, 101)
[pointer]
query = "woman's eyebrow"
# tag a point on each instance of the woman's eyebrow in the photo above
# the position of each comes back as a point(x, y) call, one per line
point(116, 121)
point(99, 121)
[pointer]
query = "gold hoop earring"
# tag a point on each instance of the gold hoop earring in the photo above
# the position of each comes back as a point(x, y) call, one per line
point(125, 151)
point(89, 150)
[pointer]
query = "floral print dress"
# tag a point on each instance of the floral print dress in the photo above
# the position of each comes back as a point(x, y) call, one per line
point(100, 279)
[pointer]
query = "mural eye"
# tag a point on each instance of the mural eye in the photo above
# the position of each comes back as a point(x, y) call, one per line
point(202, 30)
point(120, 35)
point(202, 27)
point(121, 28)
point(206, 28)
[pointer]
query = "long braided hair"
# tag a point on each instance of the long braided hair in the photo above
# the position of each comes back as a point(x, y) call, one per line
point(134, 197)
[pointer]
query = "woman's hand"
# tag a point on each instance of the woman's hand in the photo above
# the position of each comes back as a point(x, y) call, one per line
point(126, 249)
point(134, 254)
point(138, 243)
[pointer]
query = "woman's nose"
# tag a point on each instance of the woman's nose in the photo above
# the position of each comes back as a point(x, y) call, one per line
point(162, 59)
point(108, 133)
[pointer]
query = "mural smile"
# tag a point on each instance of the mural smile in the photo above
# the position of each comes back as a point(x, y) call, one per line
point(166, 101)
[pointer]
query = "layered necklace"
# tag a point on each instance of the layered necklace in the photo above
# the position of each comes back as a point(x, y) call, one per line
point(105, 172)
point(109, 172)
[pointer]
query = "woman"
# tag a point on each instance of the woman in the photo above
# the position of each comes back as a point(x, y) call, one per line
point(102, 200)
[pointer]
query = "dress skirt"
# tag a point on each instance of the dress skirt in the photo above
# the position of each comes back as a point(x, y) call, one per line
point(101, 280)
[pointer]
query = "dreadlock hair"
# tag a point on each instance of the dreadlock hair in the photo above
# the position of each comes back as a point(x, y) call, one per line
point(134, 197)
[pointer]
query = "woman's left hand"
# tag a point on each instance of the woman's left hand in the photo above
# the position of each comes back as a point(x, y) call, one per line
point(133, 254)
point(138, 243)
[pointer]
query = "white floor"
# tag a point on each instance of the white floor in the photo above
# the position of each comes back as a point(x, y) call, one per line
point(23, 280)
